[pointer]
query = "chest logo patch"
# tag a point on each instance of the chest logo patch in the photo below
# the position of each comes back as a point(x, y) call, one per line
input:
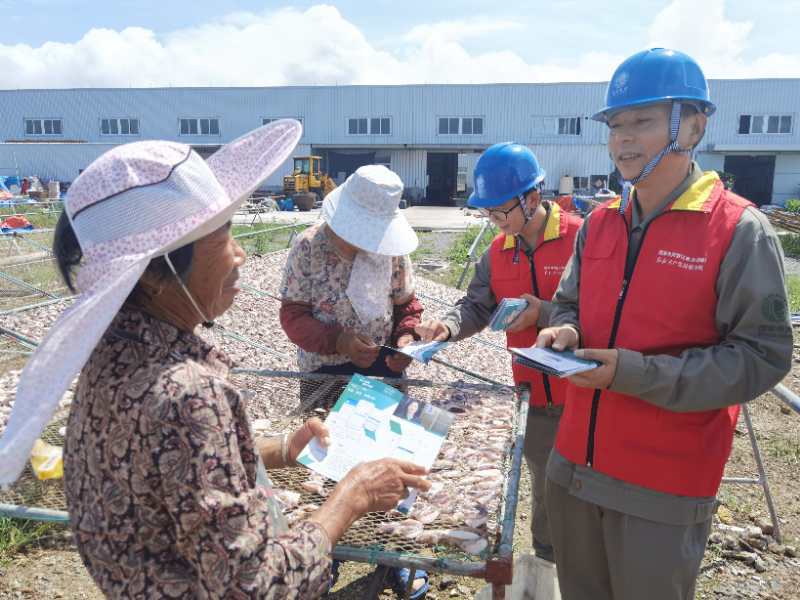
point(679, 260)
point(553, 270)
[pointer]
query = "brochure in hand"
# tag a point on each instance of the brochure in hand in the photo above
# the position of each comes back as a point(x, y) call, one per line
point(550, 362)
point(373, 420)
point(506, 313)
point(421, 351)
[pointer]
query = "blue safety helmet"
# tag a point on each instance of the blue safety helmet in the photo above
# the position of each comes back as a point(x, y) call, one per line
point(504, 171)
point(656, 75)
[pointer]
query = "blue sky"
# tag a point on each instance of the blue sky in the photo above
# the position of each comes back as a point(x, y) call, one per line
point(91, 42)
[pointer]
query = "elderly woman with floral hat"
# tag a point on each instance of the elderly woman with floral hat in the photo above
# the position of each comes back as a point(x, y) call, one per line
point(162, 473)
point(348, 291)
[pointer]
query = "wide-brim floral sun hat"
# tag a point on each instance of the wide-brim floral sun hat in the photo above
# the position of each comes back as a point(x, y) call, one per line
point(134, 203)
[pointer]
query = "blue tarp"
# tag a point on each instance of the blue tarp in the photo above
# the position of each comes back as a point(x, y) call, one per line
point(9, 180)
point(26, 229)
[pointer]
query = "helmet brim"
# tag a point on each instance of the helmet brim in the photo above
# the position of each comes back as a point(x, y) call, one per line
point(476, 201)
point(707, 108)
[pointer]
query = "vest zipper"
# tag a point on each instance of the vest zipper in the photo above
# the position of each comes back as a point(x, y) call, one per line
point(623, 293)
point(535, 284)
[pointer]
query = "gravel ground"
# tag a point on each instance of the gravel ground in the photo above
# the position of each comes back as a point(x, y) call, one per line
point(251, 334)
point(736, 566)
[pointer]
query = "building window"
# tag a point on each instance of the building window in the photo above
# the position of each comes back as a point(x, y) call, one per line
point(199, 126)
point(266, 120)
point(369, 126)
point(121, 126)
point(449, 125)
point(461, 125)
point(43, 127)
point(380, 126)
point(569, 126)
point(580, 183)
point(771, 124)
point(358, 126)
point(472, 126)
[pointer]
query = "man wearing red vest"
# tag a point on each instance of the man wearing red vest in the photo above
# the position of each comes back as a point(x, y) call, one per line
point(677, 289)
point(526, 261)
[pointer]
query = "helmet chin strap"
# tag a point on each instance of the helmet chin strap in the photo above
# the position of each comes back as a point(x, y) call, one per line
point(205, 320)
point(674, 127)
point(528, 214)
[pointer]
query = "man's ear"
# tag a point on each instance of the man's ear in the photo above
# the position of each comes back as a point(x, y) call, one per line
point(698, 129)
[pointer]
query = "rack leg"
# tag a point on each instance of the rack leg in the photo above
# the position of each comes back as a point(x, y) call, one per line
point(762, 474)
point(412, 576)
point(376, 582)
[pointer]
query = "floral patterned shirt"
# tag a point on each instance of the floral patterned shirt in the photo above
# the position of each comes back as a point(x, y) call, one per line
point(317, 275)
point(160, 477)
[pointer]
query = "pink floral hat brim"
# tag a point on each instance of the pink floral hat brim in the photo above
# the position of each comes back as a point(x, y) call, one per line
point(113, 268)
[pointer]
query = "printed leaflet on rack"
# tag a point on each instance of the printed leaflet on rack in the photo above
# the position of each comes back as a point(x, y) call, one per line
point(372, 420)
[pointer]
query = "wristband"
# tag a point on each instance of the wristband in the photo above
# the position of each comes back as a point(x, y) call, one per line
point(285, 449)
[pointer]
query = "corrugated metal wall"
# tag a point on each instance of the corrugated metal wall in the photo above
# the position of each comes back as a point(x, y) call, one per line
point(65, 161)
point(275, 181)
point(48, 161)
point(411, 166)
point(787, 178)
point(735, 97)
point(527, 113)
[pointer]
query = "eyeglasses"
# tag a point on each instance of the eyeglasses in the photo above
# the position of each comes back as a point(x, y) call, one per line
point(498, 214)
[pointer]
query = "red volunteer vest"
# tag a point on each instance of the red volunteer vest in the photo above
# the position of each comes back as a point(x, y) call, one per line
point(668, 306)
point(511, 276)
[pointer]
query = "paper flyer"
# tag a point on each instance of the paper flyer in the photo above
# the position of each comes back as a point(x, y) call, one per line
point(550, 362)
point(506, 313)
point(421, 351)
point(372, 420)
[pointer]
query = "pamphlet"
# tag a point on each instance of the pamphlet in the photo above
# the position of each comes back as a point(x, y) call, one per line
point(372, 420)
point(550, 362)
point(421, 351)
point(506, 313)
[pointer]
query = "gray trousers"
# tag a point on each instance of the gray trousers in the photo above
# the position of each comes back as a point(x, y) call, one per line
point(603, 554)
point(540, 436)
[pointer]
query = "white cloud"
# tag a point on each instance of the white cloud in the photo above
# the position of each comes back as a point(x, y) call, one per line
point(461, 29)
point(320, 46)
point(702, 30)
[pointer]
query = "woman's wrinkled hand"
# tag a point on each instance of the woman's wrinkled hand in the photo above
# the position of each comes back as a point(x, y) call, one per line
point(381, 484)
point(313, 428)
point(361, 351)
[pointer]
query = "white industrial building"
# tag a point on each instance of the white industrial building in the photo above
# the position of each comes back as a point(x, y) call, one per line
point(431, 135)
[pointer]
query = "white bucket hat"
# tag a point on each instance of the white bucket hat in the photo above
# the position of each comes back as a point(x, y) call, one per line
point(364, 211)
point(134, 203)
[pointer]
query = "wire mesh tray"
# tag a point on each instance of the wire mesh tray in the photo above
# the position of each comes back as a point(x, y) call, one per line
point(281, 401)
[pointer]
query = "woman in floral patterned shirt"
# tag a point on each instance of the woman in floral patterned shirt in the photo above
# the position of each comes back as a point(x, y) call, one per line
point(160, 462)
point(348, 293)
point(348, 288)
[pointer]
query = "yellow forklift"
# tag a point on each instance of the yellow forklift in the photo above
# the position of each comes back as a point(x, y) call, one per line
point(307, 184)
